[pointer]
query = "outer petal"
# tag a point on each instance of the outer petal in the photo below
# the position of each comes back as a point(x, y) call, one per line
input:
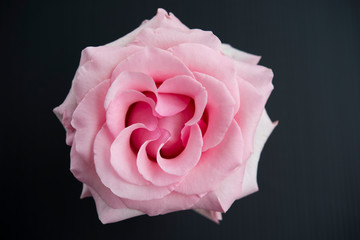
point(101, 62)
point(155, 62)
point(239, 55)
point(242, 181)
point(165, 38)
point(215, 164)
point(170, 203)
point(262, 133)
point(212, 215)
point(248, 117)
point(88, 119)
point(216, 65)
point(162, 19)
point(108, 214)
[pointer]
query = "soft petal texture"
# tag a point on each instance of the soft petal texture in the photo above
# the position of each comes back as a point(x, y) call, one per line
point(152, 172)
point(118, 109)
point(248, 116)
point(187, 160)
point(187, 86)
point(88, 119)
point(99, 66)
point(157, 63)
point(242, 181)
point(172, 202)
point(165, 38)
point(215, 164)
point(123, 158)
point(220, 110)
point(262, 133)
point(238, 55)
point(108, 214)
point(161, 19)
point(129, 81)
point(216, 65)
point(169, 104)
point(113, 181)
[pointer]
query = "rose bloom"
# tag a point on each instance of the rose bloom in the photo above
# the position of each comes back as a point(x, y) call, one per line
point(164, 119)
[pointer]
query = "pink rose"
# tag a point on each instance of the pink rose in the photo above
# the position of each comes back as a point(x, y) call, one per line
point(166, 119)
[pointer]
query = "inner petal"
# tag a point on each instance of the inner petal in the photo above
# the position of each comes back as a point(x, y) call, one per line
point(170, 104)
point(174, 125)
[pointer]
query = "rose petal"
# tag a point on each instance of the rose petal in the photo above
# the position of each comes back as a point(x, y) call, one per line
point(119, 107)
point(263, 131)
point(171, 104)
point(212, 215)
point(248, 117)
point(113, 181)
point(85, 172)
point(165, 38)
point(170, 203)
point(129, 81)
point(155, 62)
point(123, 158)
point(187, 86)
point(108, 214)
point(151, 171)
point(162, 19)
point(188, 158)
point(215, 164)
point(239, 55)
point(88, 119)
point(216, 65)
point(85, 192)
point(99, 66)
point(220, 107)
point(242, 181)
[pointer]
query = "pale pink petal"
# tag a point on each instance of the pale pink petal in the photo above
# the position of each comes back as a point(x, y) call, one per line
point(170, 203)
point(157, 63)
point(151, 171)
point(239, 55)
point(215, 164)
point(112, 180)
point(101, 61)
point(165, 38)
point(162, 19)
point(248, 116)
point(188, 158)
point(216, 65)
point(123, 158)
point(189, 87)
point(209, 214)
point(119, 107)
point(85, 172)
point(108, 214)
point(85, 192)
point(220, 110)
point(263, 131)
point(242, 181)
point(64, 113)
point(258, 76)
point(169, 104)
point(129, 81)
point(88, 118)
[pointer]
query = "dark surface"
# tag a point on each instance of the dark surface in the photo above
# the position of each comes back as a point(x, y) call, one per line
point(309, 170)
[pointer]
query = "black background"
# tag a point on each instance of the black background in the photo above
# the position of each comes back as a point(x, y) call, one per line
point(309, 170)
